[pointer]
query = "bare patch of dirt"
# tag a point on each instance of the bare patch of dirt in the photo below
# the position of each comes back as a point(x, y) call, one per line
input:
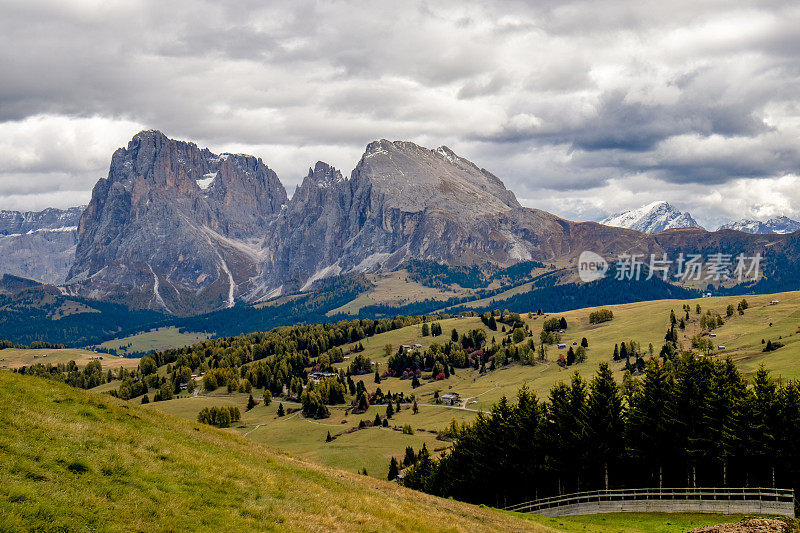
point(750, 525)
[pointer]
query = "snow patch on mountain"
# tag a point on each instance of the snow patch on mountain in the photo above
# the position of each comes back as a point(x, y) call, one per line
point(654, 217)
point(205, 182)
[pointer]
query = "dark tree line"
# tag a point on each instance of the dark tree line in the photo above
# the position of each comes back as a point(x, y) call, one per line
point(689, 421)
point(219, 416)
point(88, 377)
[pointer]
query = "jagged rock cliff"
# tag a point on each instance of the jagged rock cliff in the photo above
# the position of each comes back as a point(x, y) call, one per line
point(174, 227)
point(401, 202)
point(39, 244)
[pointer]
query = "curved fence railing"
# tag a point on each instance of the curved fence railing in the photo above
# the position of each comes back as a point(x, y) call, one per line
point(717, 500)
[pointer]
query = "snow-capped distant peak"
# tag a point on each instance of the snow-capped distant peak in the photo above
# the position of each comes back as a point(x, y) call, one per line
point(777, 225)
point(654, 217)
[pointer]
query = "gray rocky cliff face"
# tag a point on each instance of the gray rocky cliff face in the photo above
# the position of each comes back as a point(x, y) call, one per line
point(401, 202)
point(174, 227)
point(39, 244)
point(177, 228)
point(18, 222)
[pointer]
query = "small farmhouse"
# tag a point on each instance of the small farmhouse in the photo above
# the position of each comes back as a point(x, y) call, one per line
point(318, 376)
point(451, 398)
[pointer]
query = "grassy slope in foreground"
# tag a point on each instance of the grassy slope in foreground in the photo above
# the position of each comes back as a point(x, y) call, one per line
point(72, 460)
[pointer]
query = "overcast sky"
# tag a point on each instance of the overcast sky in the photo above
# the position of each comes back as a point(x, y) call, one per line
point(581, 108)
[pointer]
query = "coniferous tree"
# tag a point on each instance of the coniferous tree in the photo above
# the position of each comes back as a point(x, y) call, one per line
point(567, 428)
point(410, 457)
point(648, 429)
point(393, 469)
point(692, 381)
point(763, 414)
point(362, 402)
point(604, 420)
point(281, 412)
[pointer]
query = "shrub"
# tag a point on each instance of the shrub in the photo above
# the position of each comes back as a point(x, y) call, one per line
point(600, 316)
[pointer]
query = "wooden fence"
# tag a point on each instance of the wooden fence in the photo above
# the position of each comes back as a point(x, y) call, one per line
point(679, 500)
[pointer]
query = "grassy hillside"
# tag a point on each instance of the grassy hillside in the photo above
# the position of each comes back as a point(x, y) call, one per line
point(155, 339)
point(645, 322)
point(352, 449)
point(397, 289)
point(72, 460)
point(17, 357)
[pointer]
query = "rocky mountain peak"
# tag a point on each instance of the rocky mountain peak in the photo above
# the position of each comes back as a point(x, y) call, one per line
point(174, 226)
point(324, 175)
point(773, 226)
point(654, 217)
point(413, 178)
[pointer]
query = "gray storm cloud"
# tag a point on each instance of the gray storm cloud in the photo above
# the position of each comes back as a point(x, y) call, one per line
point(581, 108)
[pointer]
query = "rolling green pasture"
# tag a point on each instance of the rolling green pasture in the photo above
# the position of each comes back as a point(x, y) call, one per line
point(17, 357)
point(369, 448)
point(156, 339)
point(644, 322)
point(397, 289)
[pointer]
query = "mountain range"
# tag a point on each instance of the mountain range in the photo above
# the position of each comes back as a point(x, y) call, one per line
point(178, 229)
point(778, 225)
point(39, 245)
point(652, 218)
point(660, 216)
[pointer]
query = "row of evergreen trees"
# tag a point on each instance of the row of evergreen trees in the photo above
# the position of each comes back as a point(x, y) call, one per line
point(88, 377)
point(689, 421)
point(219, 416)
